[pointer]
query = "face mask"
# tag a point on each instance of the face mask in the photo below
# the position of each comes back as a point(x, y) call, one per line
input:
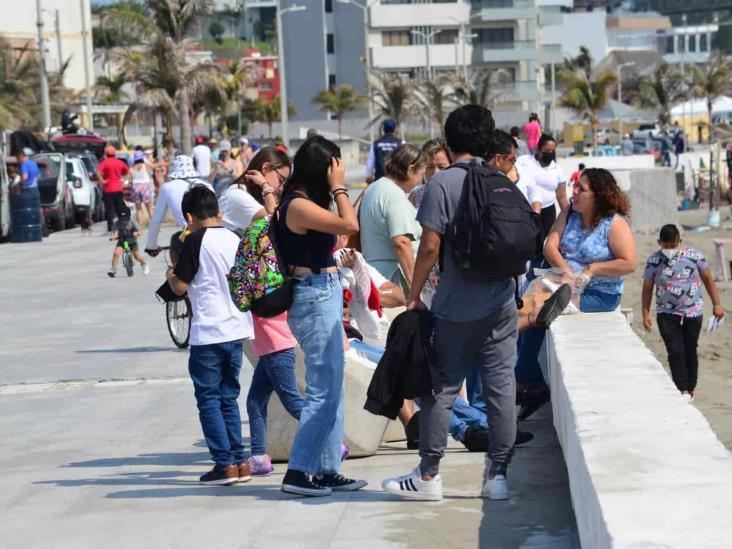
point(670, 253)
point(548, 158)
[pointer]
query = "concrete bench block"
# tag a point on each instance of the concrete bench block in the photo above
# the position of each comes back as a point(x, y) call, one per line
point(645, 469)
point(363, 431)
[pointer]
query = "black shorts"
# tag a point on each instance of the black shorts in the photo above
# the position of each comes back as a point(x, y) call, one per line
point(132, 242)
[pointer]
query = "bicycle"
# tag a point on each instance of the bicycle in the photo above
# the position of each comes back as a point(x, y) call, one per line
point(127, 260)
point(178, 314)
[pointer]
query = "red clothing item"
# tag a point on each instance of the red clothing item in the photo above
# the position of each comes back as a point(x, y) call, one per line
point(112, 170)
point(533, 133)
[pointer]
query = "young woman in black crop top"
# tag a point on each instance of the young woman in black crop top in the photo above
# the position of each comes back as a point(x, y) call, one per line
point(307, 230)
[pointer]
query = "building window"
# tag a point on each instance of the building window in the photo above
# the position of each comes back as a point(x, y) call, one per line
point(496, 38)
point(265, 86)
point(328, 6)
point(668, 46)
point(331, 80)
point(329, 43)
point(715, 41)
point(703, 46)
point(396, 38)
point(692, 43)
point(680, 43)
point(449, 36)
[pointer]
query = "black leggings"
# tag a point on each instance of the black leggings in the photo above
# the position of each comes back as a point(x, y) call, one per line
point(113, 204)
point(681, 335)
point(548, 216)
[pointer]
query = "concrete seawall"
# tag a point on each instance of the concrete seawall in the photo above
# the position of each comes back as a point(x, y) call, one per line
point(645, 469)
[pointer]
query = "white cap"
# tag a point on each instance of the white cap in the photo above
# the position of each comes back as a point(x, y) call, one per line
point(243, 141)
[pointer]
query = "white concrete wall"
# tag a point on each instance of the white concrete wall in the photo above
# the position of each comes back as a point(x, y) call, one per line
point(645, 469)
point(405, 16)
point(635, 162)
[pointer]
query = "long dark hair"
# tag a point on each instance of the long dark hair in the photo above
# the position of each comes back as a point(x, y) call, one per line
point(266, 155)
point(310, 171)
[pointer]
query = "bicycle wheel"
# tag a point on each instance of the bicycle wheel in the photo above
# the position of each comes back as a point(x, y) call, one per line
point(127, 262)
point(178, 314)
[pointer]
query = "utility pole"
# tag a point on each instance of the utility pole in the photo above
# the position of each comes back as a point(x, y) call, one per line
point(87, 75)
point(45, 101)
point(284, 115)
point(620, 96)
point(683, 75)
point(57, 24)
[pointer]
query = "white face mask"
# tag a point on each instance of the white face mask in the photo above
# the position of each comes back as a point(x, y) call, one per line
point(670, 253)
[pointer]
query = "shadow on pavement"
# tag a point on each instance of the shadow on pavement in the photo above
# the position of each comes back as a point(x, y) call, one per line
point(133, 350)
point(164, 459)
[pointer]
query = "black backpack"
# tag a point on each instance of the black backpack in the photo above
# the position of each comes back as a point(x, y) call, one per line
point(494, 232)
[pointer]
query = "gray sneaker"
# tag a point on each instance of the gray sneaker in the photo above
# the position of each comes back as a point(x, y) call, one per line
point(112, 272)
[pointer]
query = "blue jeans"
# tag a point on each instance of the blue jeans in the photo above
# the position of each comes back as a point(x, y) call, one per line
point(214, 370)
point(274, 372)
point(463, 414)
point(528, 370)
point(315, 321)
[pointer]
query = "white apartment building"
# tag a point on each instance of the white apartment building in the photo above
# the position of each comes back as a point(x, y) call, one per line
point(484, 34)
point(62, 33)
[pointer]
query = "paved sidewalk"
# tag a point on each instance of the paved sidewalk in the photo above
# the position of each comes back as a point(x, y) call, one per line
point(114, 464)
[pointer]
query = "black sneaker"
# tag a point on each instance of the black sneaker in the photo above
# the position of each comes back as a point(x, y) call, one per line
point(532, 402)
point(298, 483)
point(554, 306)
point(476, 440)
point(411, 429)
point(339, 483)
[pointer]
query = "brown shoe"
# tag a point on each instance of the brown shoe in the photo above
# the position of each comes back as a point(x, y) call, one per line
point(221, 476)
point(245, 472)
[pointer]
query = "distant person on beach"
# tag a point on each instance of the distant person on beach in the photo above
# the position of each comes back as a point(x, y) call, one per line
point(523, 148)
point(677, 273)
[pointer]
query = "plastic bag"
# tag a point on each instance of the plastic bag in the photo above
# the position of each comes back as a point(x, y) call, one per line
point(547, 281)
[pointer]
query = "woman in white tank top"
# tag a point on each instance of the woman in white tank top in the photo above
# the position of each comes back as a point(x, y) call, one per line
point(142, 186)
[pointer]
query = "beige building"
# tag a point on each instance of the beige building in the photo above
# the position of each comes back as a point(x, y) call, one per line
point(62, 33)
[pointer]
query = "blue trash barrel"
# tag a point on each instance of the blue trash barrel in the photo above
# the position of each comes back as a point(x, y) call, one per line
point(25, 217)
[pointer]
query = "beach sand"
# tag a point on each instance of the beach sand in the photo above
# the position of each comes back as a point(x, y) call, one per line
point(714, 391)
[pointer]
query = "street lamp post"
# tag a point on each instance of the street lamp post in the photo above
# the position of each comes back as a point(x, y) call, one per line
point(427, 36)
point(87, 72)
point(45, 101)
point(683, 75)
point(284, 115)
point(367, 56)
point(620, 96)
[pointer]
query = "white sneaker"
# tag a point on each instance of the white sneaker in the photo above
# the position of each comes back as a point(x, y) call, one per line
point(146, 269)
point(412, 486)
point(687, 397)
point(496, 487)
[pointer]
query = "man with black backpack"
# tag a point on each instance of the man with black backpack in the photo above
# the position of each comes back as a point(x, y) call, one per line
point(482, 230)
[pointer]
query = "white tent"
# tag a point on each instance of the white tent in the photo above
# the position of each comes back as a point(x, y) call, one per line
point(722, 105)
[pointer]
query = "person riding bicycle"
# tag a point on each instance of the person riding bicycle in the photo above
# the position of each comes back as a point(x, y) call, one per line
point(126, 231)
point(182, 177)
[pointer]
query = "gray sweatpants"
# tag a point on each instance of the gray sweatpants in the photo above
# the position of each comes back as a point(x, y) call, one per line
point(491, 343)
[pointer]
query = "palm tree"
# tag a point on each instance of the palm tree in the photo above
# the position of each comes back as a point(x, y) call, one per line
point(585, 96)
point(662, 90)
point(109, 89)
point(431, 100)
point(17, 69)
point(712, 82)
point(390, 94)
point(269, 112)
point(339, 102)
point(237, 78)
point(582, 63)
point(480, 88)
point(164, 34)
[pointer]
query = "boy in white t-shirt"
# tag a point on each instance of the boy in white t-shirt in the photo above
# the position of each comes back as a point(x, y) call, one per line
point(217, 331)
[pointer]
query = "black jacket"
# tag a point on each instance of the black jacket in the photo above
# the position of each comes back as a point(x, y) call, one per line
point(404, 369)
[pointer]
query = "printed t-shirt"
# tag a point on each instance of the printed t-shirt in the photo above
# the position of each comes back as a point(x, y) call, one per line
point(678, 282)
point(112, 169)
point(207, 257)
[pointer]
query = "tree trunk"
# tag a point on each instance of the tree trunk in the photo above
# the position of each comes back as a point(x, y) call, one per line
point(168, 139)
point(184, 119)
point(593, 125)
point(340, 133)
point(269, 125)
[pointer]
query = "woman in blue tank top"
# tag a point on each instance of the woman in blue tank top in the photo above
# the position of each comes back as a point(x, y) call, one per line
point(307, 230)
point(593, 239)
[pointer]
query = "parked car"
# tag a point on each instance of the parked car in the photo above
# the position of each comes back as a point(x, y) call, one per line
point(4, 200)
point(648, 146)
point(57, 199)
point(607, 136)
point(645, 131)
point(87, 197)
point(80, 143)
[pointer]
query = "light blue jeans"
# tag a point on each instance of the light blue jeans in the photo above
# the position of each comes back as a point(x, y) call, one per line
point(315, 321)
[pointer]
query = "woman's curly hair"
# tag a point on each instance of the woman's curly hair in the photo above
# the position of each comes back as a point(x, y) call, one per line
point(609, 199)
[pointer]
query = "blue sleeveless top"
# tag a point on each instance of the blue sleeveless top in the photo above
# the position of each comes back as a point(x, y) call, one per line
point(580, 247)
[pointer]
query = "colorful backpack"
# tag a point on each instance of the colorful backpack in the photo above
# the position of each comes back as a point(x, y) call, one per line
point(259, 281)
